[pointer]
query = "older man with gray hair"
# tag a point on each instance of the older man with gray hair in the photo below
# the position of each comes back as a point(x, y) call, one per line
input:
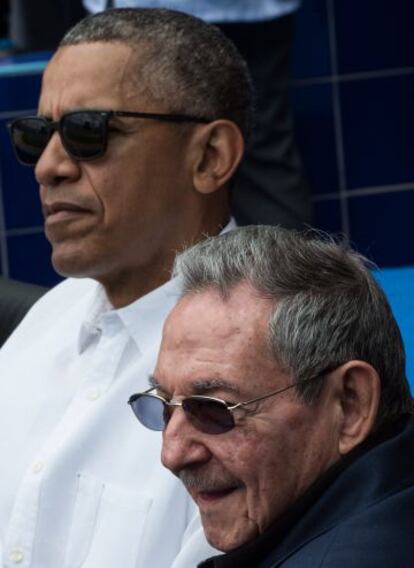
point(295, 434)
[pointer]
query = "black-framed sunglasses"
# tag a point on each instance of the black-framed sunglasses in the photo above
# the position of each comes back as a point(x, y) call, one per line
point(84, 133)
point(208, 414)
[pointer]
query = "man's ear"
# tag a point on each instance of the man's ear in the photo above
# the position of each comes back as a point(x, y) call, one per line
point(359, 390)
point(217, 149)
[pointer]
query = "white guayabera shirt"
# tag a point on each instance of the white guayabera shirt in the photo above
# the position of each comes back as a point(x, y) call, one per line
point(81, 479)
point(210, 10)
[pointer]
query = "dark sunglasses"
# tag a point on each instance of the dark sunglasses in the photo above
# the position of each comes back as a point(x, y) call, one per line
point(207, 414)
point(84, 133)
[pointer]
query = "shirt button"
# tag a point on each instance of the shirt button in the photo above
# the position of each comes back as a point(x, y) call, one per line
point(16, 555)
point(37, 467)
point(93, 394)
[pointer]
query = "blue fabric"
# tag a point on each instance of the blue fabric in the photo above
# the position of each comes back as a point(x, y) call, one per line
point(398, 284)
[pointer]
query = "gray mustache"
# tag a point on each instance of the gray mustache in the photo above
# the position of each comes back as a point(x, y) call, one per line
point(206, 481)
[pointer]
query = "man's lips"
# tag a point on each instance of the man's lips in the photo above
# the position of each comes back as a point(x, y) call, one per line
point(60, 211)
point(213, 496)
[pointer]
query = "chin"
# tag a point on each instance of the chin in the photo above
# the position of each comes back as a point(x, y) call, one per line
point(228, 539)
point(72, 265)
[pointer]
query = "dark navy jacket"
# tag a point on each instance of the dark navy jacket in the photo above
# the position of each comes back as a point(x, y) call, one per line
point(363, 517)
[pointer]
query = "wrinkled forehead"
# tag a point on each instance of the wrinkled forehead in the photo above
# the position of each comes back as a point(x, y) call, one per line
point(93, 75)
point(208, 335)
point(208, 314)
point(211, 340)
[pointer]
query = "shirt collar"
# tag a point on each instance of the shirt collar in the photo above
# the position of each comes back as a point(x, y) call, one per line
point(143, 318)
point(91, 326)
point(230, 226)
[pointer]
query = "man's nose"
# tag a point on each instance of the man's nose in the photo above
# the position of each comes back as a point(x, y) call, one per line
point(55, 164)
point(182, 444)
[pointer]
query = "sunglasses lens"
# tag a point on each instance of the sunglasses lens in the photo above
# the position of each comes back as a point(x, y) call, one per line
point(208, 416)
point(84, 134)
point(150, 411)
point(29, 137)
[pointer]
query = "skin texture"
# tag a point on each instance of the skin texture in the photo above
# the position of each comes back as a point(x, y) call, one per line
point(216, 347)
point(121, 218)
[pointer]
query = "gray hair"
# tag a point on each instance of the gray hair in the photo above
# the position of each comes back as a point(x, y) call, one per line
point(185, 63)
point(327, 307)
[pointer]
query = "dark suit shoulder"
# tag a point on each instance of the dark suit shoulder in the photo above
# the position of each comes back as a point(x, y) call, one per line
point(380, 536)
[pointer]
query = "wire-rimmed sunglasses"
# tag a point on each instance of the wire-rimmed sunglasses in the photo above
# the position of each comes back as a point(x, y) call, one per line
point(84, 133)
point(208, 414)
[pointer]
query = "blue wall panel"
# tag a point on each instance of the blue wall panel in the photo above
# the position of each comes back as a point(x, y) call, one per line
point(352, 94)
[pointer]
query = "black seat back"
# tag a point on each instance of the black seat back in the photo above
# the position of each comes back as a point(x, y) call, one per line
point(15, 300)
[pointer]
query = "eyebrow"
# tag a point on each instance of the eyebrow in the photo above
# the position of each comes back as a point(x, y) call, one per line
point(205, 386)
point(202, 386)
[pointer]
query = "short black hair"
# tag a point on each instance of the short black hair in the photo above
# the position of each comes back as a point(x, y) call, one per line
point(188, 64)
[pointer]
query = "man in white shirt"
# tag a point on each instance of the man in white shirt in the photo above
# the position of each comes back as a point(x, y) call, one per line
point(141, 126)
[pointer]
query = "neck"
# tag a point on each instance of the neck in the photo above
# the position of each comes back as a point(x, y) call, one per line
point(130, 284)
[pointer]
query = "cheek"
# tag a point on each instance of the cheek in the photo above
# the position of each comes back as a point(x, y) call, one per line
point(100, 182)
point(254, 460)
point(282, 468)
point(269, 466)
point(263, 468)
point(113, 201)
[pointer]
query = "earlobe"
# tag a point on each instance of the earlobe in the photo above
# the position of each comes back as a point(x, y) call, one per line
point(219, 149)
point(359, 398)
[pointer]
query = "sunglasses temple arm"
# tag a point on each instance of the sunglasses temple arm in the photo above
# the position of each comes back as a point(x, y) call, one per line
point(268, 395)
point(279, 391)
